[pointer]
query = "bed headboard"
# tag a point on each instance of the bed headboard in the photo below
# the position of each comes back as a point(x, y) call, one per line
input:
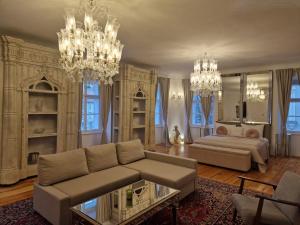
point(267, 128)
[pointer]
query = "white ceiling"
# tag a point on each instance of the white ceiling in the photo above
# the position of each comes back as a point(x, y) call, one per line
point(170, 34)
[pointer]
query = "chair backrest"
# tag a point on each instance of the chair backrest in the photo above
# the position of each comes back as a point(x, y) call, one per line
point(289, 189)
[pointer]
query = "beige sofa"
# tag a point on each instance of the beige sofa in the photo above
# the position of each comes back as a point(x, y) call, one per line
point(69, 178)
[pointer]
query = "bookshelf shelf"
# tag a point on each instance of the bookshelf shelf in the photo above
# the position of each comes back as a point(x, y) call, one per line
point(42, 113)
point(138, 112)
point(42, 135)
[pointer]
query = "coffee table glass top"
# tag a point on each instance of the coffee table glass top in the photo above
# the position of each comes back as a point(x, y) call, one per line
point(124, 204)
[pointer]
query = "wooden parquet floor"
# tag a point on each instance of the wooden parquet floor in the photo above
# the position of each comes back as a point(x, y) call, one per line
point(23, 189)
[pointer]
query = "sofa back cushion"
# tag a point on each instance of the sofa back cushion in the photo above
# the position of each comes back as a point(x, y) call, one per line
point(100, 157)
point(58, 167)
point(289, 189)
point(130, 151)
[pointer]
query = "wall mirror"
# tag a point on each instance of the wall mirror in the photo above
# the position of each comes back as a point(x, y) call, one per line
point(229, 99)
point(257, 97)
point(246, 98)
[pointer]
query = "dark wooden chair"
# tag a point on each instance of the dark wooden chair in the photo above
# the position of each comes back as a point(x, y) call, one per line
point(282, 208)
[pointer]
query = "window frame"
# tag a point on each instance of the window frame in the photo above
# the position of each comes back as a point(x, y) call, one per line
point(85, 98)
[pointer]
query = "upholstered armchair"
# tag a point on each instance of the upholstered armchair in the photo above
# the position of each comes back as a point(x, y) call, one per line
point(282, 208)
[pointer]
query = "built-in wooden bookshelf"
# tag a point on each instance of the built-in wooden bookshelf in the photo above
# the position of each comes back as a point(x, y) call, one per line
point(40, 122)
point(134, 104)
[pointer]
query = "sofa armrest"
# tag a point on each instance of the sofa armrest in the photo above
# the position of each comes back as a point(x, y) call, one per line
point(176, 160)
point(52, 204)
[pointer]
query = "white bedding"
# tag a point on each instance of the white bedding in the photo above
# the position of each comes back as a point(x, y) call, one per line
point(259, 147)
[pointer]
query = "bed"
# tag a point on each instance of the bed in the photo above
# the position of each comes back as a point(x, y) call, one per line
point(236, 151)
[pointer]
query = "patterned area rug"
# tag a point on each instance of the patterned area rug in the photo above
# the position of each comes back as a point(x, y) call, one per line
point(209, 205)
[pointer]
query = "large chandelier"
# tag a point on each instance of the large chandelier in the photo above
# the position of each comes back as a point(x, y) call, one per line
point(254, 93)
point(206, 79)
point(87, 51)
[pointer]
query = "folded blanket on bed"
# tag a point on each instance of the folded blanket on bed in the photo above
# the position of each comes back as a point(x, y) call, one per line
point(259, 147)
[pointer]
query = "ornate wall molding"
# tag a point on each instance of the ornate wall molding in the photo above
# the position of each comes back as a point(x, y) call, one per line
point(17, 50)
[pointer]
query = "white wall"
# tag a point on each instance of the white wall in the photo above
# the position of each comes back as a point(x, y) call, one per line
point(295, 143)
point(91, 138)
point(176, 111)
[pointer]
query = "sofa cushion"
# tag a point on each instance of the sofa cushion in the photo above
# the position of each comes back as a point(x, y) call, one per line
point(58, 167)
point(164, 173)
point(100, 157)
point(90, 186)
point(247, 206)
point(130, 151)
point(289, 189)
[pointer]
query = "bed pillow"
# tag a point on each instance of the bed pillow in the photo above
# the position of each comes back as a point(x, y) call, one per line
point(232, 130)
point(258, 128)
point(252, 133)
point(221, 130)
point(224, 129)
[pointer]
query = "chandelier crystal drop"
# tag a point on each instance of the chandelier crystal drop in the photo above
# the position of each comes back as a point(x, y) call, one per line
point(254, 93)
point(87, 51)
point(206, 79)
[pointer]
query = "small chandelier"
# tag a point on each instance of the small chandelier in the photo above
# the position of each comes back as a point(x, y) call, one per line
point(87, 51)
point(206, 79)
point(255, 94)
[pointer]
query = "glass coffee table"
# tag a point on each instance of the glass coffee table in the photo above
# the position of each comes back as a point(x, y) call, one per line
point(132, 204)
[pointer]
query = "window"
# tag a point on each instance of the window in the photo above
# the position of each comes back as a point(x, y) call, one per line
point(90, 107)
point(197, 113)
point(293, 121)
point(158, 109)
point(90, 204)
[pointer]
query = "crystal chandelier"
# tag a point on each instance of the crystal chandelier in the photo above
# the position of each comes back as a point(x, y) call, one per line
point(255, 94)
point(87, 51)
point(206, 79)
